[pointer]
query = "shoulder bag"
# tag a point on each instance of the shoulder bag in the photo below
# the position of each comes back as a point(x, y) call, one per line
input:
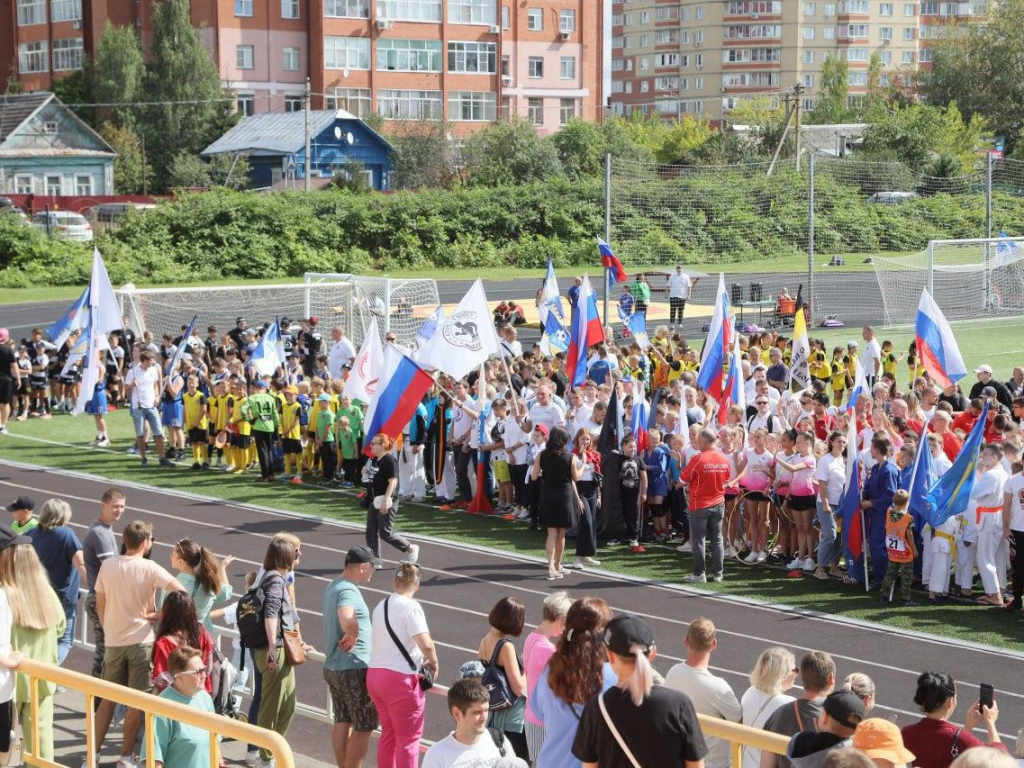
point(424, 673)
point(615, 732)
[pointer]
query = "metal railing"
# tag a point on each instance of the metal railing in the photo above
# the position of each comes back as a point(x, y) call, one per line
point(151, 706)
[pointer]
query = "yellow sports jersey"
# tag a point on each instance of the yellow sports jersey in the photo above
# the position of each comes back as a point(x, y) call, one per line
point(889, 364)
point(820, 369)
point(223, 405)
point(765, 357)
point(290, 427)
point(244, 427)
point(195, 411)
point(916, 370)
point(851, 366)
point(838, 375)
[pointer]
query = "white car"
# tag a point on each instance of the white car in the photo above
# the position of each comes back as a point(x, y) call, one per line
point(64, 224)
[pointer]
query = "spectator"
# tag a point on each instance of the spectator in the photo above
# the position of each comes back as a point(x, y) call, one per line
point(863, 687)
point(176, 744)
point(126, 590)
point(818, 675)
point(347, 645)
point(773, 675)
point(984, 757)
point(883, 743)
point(38, 622)
point(203, 577)
point(472, 743)
point(711, 695)
point(933, 739)
point(507, 619)
point(179, 628)
point(401, 645)
point(537, 651)
point(842, 712)
point(21, 510)
point(558, 495)
point(9, 660)
point(635, 722)
point(847, 757)
point(99, 546)
point(60, 552)
point(830, 475)
point(707, 475)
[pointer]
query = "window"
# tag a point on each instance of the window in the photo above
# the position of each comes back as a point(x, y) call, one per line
point(347, 53)
point(618, 86)
point(356, 101)
point(66, 10)
point(644, 64)
point(243, 7)
point(700, 12)
point(617, 41)
point(244, 55)
point(618, 65)
point(750, 79)
point(909, 9)
point(567, 21)
point(830, 9)
point(410, 105)
point(746, 7)
point(908, 57)
point(472, 106)
point(666, 60)
point(346, 9)
point(752, 31)
point(293, 103)
point(246, 104)
point(854, 6)
point(853, 30)
point(535, 19)
point(472, 57)
point(699, 60)
point(23, 184)
point(52, 185)
point(504, 64)
point(808, 33)
point(830, 33)
point(409, 55)
point(567, 67)
point(808, 57)
point(929, 9)
point(666, 83)
point(535, 66)
point(83, 184)
point(645, 17)
point(290, 59)
point(645, 86)
point(666, 13)
point(808, 105)
point(505, 23)
point(885, 9)
point(32, 57)
point(645, 41)
point(926, 55)
point(289, 9)
point(856, 54)
point(535, 111)
point(472, 11)
point(566, 110)
point(810, 9)
point(698, 37)
point(886, 57)
point(409, 10)
point(808, 81)
point(31, 12)
point(857, 79)
point(67, 54)
point(666, 36)
point(908, 33)
point(885, 33)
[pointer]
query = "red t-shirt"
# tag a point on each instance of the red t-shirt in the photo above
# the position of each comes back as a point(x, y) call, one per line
point(965, 421)
point(931, 741)
point(707, 475)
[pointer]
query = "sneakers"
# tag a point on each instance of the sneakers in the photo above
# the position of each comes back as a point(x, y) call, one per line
point(728, 552)
point(296, 480)
point(591, 561)
point(165, 462)
point(85, 761)
point(413, 555)
point(576, 565)
point(687, 547)
point(126, 761)
point(694, 578)
point(796, 562)
point(761, 556)
point(809, 565)
point(717, 579)
point(196, 466)
point(751, 558)
point(103, 442)
point(144, 463)
point(636, 548)
point(229, 468)
point(267, 763)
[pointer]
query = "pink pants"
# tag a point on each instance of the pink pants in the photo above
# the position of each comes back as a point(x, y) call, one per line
point(400, 705)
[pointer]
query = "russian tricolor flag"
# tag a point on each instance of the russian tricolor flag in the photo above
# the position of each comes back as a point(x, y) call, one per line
point(849, 503)
point(586, 331)
point(403, 385)
point(717, 346)
point(936, 345)
point(611, 262)
point(735, 387)
point(641, 416)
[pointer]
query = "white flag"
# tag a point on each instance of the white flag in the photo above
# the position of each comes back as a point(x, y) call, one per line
point(104, 317)
point(366, 367)
point(466, 338)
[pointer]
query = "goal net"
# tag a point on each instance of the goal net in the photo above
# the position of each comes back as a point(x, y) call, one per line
point(337, 299)
point(969, 279)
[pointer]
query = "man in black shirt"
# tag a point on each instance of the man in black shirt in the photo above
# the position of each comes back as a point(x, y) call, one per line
point(843, 712)
point(10, 378)
point(238, 332)
point(985, 380)
point(310, 342)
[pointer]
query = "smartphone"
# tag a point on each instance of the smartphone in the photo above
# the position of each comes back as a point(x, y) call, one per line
point(986, 696)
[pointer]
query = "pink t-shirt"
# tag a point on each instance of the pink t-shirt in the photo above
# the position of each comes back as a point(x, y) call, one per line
point(802, 483)
point(757, 476)
point(537, 650)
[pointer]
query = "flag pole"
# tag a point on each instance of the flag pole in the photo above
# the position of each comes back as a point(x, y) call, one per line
point(864, 546)
point(511, 389)
point(607, 223)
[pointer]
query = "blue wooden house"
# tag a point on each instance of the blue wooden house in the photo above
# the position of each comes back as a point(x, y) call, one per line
point(275, 144)
point(46, 149)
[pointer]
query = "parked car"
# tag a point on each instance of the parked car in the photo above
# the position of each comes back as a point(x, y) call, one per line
point(64, 224)
point(892, 198)
point(8, 208)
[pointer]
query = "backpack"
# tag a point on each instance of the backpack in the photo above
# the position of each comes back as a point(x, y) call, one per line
point(496, 682)
point(251, 631)
point(499, 739)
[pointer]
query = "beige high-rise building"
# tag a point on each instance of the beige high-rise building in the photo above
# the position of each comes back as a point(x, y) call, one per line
point(700, 57)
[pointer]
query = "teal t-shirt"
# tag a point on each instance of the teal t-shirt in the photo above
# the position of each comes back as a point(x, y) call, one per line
point(178, 745)
point(341, 593)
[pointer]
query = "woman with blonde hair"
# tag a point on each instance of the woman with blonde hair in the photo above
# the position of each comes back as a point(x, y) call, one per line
point(861, 686)
point(773, 675)
point(38, 620)
point(60, 552)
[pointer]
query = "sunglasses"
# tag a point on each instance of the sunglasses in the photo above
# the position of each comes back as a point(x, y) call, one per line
point(197, 673)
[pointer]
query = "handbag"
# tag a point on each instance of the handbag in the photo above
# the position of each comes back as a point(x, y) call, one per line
point(496, 682)
point(615, 732)
point(294, 651)
point(424, 673)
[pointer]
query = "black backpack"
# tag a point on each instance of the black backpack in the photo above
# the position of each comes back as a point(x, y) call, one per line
point(496, 682)
point(251, 631)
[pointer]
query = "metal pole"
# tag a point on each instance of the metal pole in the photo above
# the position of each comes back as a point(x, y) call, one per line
point(607, 227)
point(309, 128)
point(931, 267)
point(799, 90)
point(387, 304)
point(988, 197)
point(810, 235)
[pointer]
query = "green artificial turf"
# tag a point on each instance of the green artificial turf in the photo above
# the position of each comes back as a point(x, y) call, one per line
point(66, 447)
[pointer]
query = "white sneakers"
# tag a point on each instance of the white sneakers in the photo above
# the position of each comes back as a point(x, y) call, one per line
point(796, 562)
point(809, 564)
point(413, 555)
point(751, 558)
point(693, 578)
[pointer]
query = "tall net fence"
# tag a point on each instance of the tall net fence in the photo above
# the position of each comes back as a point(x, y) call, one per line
point(820, 225)
point(346, 300)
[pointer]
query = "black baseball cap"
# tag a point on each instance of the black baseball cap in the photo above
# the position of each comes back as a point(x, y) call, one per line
point(22, 502)
point(358, 555)
point(625, 631)
point(8, 538)
point(845, 707)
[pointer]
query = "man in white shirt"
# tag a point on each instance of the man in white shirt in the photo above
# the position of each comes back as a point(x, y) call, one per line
point(1013, 527)
point(987, 503)
point(462, 425)
point(711, 695)
point(679, 287)
point(143, 386)
point(472, 744)
point(871, 358)
point(545, 411)
point(342, 352)
point(510, 346)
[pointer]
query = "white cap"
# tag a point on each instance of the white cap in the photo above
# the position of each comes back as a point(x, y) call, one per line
point(983, 369)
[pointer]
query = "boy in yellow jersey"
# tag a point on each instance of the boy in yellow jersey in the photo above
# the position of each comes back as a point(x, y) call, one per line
point(312, 457)
point(838, 376)
point(291, 434)
point(889, 359)
point(241, 440)
point(820, 369)
point(197, 422)
point(218, 409)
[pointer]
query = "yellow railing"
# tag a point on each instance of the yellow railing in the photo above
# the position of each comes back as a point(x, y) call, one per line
point(151, 706)
point(740, 736)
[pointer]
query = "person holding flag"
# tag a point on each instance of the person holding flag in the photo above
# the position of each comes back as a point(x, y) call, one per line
point(586, 332)
point(879, 487)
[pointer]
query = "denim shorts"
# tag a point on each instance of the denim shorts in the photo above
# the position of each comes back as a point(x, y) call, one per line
point(142, 416)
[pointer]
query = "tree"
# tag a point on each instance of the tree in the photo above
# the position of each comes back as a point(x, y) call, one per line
point(833, 86)
point(921, 133)
point(189, 170)
point(132, 174)
point(74, 88)
point(423, 156)
point(353, 178)
point(687, 141)
point(877, 95)
point(117, 75)
point(508, 153)
point(766, 120)
point(582, 146)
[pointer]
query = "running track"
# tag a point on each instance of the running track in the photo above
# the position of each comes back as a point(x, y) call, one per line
point(461, 584)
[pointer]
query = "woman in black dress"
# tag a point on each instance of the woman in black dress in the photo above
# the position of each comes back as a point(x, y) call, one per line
point(558, 495)
point(382, 494)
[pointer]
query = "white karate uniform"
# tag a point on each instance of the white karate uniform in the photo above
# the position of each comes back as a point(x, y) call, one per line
point(966, 550)
point(446, 488)
point(941, 556)
point(992, 555)
point(412, 474)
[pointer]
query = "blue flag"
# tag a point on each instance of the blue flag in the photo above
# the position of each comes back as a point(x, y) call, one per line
point(557, 336)
point(950, 494)
point(269, 353)
point(180, 351)
point(922, 476)
point(430, 326)
point(75, 318)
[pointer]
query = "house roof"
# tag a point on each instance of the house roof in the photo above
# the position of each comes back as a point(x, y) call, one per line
point(275, 132)
point(15, 109)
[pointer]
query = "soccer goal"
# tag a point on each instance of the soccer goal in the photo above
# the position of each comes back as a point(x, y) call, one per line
point(337, 299)
point(969, 279)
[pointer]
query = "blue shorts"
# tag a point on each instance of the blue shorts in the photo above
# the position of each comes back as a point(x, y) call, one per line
point(658, 487)
point(143, 416)
point(173, 414)
point(98, 405)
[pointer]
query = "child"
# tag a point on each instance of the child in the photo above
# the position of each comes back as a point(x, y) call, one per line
point(657, 462)
point(229, 614)
point(900, 547)
point(98, 407)
point(348, 446)
point(241, 439)
point(291, 434)
point(22, 519)
point(632, 476)
point(515, 449)
point(324, 426)
point(217, 420)
point(197, 423)
point(37, 380)
point(499, 457)
point(537, 443)
point(838, 376)
point(316, 388)
point(24, 392)
point(889, 359)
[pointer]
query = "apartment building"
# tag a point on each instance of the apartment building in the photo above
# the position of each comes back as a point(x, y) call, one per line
point(697, 57)
point(468, 61)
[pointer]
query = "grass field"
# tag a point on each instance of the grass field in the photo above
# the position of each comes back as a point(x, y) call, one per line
point(62, 442)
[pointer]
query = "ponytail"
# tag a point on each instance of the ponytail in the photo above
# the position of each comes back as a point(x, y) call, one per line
point(204, 565)
point(640, 683)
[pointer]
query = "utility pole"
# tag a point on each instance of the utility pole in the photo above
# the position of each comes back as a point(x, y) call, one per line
point(782, 138)
point(309, 128)
point(798, 90)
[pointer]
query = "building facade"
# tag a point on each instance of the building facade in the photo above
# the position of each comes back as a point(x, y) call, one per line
point(470, 62)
